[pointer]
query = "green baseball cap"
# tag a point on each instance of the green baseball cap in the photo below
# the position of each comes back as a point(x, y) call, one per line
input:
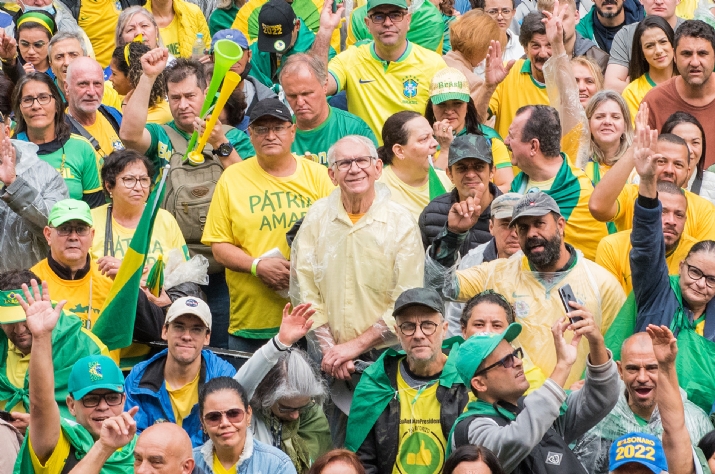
point(92, 373)
point(470, 146)
point(478, 347)
point(70, 210)
point(10, 309)
point(376, 3)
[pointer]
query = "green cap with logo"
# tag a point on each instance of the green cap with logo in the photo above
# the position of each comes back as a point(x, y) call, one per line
point(70, 210)
point(449, 84)
point(376, 3)
point(93, 373)
point(470, 146)
point(478, 347)
point(10, 309)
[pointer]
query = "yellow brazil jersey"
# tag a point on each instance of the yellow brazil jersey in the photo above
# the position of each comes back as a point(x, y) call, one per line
point(111, 97)
point(170, 37)
point(184, 398)
point(160, 113)
point(56, 462)
point(421, 442)
point(219, 469)
point(700, 223)
point(98, 18)
point(686, 9)
point(105, 135)
point(165, 237)
point(16, 366)
point(253, 210)
point(518, 89)
point(614, 253)
point(414, 198)
point(635, 91)
point(378, 89)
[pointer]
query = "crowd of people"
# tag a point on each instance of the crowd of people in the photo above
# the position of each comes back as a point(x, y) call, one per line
point(418, 236)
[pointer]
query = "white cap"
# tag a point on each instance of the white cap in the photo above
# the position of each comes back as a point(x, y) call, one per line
point(189, 305)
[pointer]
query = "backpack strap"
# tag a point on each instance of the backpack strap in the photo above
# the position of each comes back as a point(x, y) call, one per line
point(83, 131)
point(179, 144)
point(113, 116)
point(108, 235)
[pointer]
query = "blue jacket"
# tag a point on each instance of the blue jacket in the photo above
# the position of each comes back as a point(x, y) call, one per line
point(146, 388)
point(256, 458)
point(655, 300)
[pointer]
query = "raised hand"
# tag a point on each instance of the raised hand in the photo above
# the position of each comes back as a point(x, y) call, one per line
point(154, 62)
point(295, 324)
point(665, 345)
point(329, 20)
point(41, 316)
point(118, 431)
point(443, 133)
point(645, 153)
point(641, 122)
point(463, 215)
point(554, 24)
point(586, 326)
point(8, 48)
point(496, 71)
point(8, 160)
point(566, 352)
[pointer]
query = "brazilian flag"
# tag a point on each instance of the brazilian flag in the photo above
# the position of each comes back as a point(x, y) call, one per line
point(115, 324)
point(436, 188)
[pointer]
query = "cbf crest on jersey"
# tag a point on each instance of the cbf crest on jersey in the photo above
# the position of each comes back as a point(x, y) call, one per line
point(409, 87)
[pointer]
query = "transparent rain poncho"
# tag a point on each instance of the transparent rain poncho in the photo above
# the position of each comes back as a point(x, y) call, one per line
point(353, 273)
point(535, 299)
point(592, 448)
point(24, 211)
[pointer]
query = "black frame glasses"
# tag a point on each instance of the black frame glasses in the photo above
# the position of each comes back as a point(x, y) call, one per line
point(29, 100)
point(697, 274)
point(507, 361)
point(92, 400)
point(395, 17)
point(233, 415)
point(427, 327)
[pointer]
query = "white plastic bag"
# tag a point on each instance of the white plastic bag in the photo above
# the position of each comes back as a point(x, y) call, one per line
point(179, 271)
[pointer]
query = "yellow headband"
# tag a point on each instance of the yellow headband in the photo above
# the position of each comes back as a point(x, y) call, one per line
point(35, 18)
point(137, 39)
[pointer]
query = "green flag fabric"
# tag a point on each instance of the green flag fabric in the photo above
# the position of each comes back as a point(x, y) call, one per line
point(115, 324)
point(69, 344)
point(436, 188)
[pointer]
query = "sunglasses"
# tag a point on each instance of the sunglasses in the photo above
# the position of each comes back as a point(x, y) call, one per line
point(507, 361)
point(234, 415)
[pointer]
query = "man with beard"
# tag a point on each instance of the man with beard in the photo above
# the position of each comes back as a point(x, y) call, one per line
point(531, 282)
point(613, 253)
point(606, 18)
point(636, 409)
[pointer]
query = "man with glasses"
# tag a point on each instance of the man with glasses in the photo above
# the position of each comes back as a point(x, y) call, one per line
point(255, 203)
point(354, 254)
point(409, 431)
point(532, 433)
point(385, 75)
point(166, 387)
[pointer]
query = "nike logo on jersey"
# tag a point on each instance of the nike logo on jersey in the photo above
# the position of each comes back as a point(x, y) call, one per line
point(366, 81)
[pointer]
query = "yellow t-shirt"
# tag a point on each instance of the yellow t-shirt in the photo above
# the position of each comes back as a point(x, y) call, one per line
point(98, 18)
point(253, 210)
point(355, 217)
point(111, 97)
point(16, 366)
point(160, 113)
point(613, 254)
point(57, 459)
point(378, 89)
point(421, 442)
point(184, 398)
point(219, 469)
point(686, 9)
point(414, 198)
point(532, 185)
point(105, 135)
point(635, 91)
point(700, 223)
point(165, 237)
point(170, 37)
point(518, 89)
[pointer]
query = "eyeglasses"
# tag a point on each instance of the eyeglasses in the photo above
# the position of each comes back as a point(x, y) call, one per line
point(427, 327)
point(302, 410)
point(362, 162)
point(379, 18)
point(195, 331)
point(696, 274)
point(131, 181)
point(507, 361)
point(277, 129)
point(112, 398)
point(42, 99)
point(234, 415)
point(66, 230)
point(36, 45)
point(496, 11)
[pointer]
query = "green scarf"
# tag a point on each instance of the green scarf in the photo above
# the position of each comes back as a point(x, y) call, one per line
point(69, 344)
point(121, 462)
point(696, 372)
point(565, 190)
point(374, 392)
point(292, 444)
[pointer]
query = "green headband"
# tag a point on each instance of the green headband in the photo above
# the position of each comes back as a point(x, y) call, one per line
point(10, 309)
point(36, 17)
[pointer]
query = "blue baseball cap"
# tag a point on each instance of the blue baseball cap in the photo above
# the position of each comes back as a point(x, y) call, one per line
point(640, 448)
point(230, 34)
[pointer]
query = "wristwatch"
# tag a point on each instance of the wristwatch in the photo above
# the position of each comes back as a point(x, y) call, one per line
point(223, 150)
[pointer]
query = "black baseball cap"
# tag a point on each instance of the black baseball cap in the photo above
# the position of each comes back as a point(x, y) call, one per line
point(275, 26)
point(533, 204)
point(419, 297)
point(270, 107)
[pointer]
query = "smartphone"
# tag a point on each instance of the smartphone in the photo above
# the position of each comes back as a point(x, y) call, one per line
point(6, 416)
point(335, 6)
point(566, 294)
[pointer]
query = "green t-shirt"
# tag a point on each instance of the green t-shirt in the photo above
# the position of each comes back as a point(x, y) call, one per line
point(338, 125)
point(222, 19)
point(75, 160)
point(160, 150)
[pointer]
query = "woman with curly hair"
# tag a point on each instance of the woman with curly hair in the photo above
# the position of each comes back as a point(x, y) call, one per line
point(127, 69)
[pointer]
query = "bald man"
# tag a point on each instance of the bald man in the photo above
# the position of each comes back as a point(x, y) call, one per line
point(84, 89)
point(636, 409)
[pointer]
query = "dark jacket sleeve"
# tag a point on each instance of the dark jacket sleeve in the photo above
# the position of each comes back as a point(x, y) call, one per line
point(94, 199)
point(422, 223)
point(651, 285)
point(149, 320)
point(367, 453)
